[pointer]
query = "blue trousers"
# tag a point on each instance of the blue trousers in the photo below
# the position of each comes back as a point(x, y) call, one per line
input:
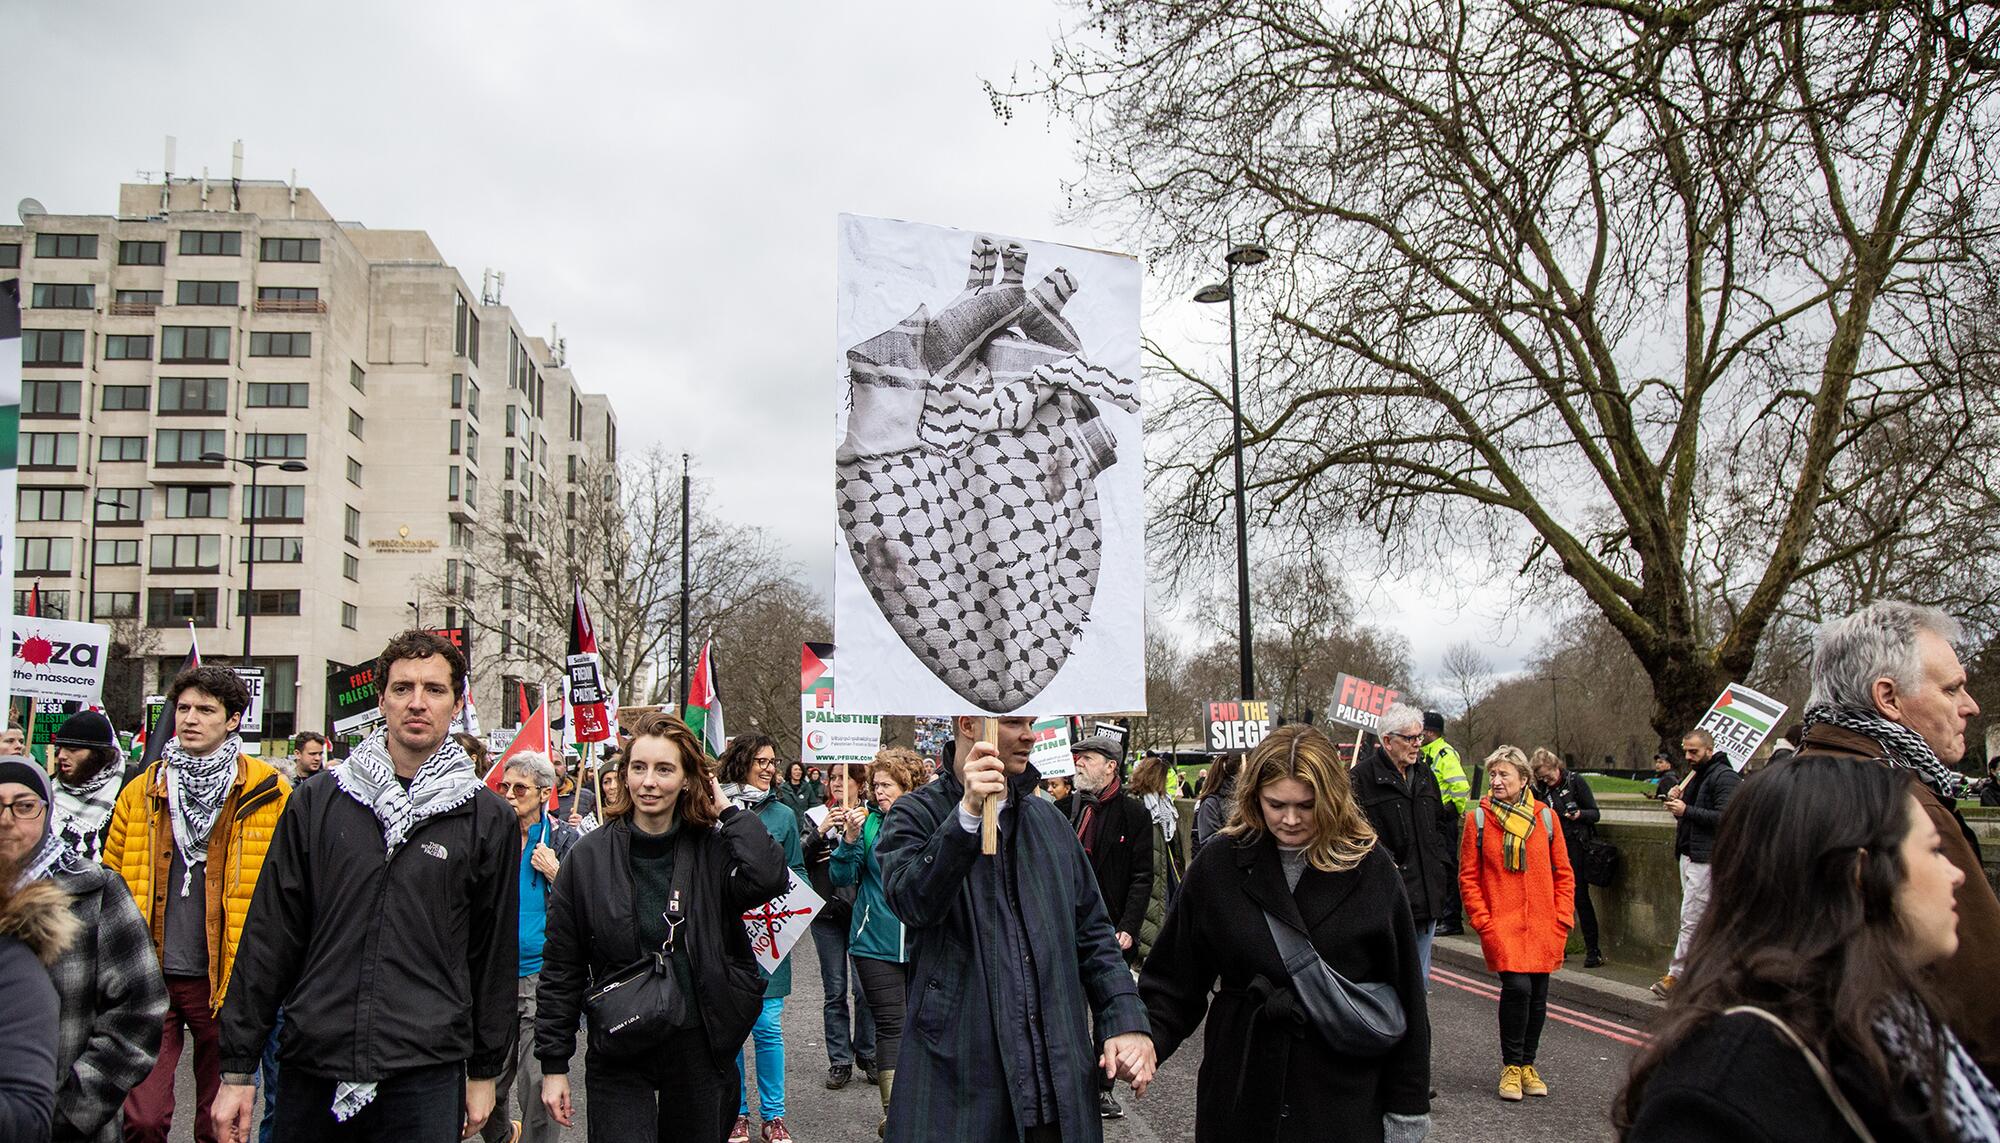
point(1426, 934)
point(841, 1047)
point(767, 1035)
point(267, 1074)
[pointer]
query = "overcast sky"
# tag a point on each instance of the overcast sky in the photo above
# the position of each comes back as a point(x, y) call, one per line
point(661, 180)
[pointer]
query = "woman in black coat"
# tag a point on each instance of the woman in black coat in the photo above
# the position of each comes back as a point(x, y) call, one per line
point(1566, 792)
point(1298, 849)
point(609, 908)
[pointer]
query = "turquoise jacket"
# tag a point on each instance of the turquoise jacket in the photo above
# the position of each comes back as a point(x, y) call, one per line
point(875, 932)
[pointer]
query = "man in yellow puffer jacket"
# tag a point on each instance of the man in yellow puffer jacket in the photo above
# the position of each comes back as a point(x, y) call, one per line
point(189, 837)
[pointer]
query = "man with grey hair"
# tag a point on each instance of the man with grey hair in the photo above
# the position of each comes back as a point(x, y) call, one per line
point(1400, 798)
point(527, 781)
point(1886, 684)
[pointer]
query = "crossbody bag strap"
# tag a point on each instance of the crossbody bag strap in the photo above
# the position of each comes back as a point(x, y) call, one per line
point(1293, 948)
point(677, 894)
point(1813, 1061)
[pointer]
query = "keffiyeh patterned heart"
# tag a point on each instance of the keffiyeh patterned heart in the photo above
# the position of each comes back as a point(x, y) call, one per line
point(196, 789)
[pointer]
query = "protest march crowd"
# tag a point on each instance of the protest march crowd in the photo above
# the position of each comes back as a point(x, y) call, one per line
point(389, 947)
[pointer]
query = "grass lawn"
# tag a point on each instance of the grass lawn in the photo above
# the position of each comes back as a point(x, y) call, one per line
point(1602, 785)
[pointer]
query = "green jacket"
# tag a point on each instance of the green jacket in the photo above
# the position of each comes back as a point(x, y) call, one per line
point(875, 932)
point(1156, 905)
point(1453, 786)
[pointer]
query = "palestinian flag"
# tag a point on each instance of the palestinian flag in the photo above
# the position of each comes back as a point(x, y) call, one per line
point(816, 674)
point(703, 712)
point(1758, 712)
point(533, 737)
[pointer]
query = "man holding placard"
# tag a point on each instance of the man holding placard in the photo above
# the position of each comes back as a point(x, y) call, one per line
point(1697, 806)
point(1006, 954)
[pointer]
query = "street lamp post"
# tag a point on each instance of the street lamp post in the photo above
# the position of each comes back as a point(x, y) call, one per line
point(1242, 255)
point(250, 511)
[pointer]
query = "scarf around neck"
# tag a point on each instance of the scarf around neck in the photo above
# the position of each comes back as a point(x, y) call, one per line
point(1517, 820)
point(444, 782)
point(1901, 745)
point(745, 796)
point(1089, 822)
point(1970, 1105)
point(81, 811)
point(196, 789)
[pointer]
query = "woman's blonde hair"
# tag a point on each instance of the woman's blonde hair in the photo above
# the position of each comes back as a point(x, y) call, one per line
point(1341, 835)
point(1509, 756)
point(1543, 755)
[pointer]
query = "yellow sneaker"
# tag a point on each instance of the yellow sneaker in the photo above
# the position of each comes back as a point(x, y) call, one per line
point(1531, 1081)
point(1510, 1084)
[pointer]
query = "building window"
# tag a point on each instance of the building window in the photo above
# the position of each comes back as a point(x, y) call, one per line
point(205, 294)
point(354, 472)
point(354, 424)
point(186, 553)
point(450, 483)
point(114, 605)
point(128, 347)
point(275, 446)
point(288, 293)
point(203, 344)
point(63, 296)
point(52, 347)
point(121, 448)
point(283, 504)
point(213, 242)
point(351, 528)
point(350, 566)
point(41, 554)
point(277, 395)
point(116, 554)
point(197, 501)
point(349, 617)
point(471, 445)
point(193, 396)
point(276, 550)
point(291, 250)
point(513, 415)
point(54, 604)
point(357, 377)
point(507, 464)
point(177, 606)
point(121, 505)
point(268, 602)
point(10, 255)
point(506, 637)
point(263, 344)
point(471, 490)
point(142, 253)
point(48, 450)
point(51, 398)
point(185, 446)
point(65, 245)
point(457, 438)
point(465, 330)
point(140, 297)
point(47, 505)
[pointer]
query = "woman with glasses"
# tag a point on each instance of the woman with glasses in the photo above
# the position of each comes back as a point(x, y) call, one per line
point(612, 905)
point(1297, 862)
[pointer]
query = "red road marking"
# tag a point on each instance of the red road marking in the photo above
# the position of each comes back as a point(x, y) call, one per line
point(1609, 1029)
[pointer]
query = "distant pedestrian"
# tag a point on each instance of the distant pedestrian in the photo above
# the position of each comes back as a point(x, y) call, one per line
point(575, 800)
point(849, 1033)
point(1400, 796)
point(89, 774)
point(1217, 800)
point(1565, 791)
point(1298, 859)
point(1149, 786)
point(1514, 874)
point(308, 754)
point(1117, 835)
point(1665, 777)
point(1810, 1009)
point(1697, 805)
point(875, 934)
point(1456, 790)
point(681, 863)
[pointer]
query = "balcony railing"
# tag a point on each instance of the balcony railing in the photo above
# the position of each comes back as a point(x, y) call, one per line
point(290, 306)
point(131, 309)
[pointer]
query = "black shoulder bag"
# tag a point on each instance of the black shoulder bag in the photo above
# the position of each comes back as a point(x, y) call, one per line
point(1353, 1019)
point(634, 1009)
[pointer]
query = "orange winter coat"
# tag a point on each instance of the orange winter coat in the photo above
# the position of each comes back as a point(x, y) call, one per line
point(1523, 918)
point(140, 848)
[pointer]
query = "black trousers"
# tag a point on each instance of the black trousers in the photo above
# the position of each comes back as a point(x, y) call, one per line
point(884, 985)
point(1586, 917)
point(424, 1105)
point(1524, 1007)
point(1452, 910)
point(673, 1094)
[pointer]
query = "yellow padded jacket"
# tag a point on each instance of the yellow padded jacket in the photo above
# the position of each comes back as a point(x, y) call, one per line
point(140, 849)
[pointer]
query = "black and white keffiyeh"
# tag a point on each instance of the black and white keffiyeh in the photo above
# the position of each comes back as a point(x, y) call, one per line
point(1901, 745)
point(1969, 1104)
point(745, 796)
point(196, 789)
point(81, 811)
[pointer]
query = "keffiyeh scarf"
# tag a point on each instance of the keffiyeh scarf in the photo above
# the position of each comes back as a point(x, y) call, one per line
point(81, 811)
point(1969, 1104)
point(445, 781)
point(1903, 746)
point(1517, 820)
point(746, 797)
point(196, 789)
point(1164, 814)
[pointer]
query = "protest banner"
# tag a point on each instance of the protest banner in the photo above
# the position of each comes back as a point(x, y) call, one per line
point(989, 474)
point(776, 925)
point(10, 434)
point(1359, 703)
point(1237, 725)
point(59, 659)
point(588, 696)
point(1740, 721)
point(253, 715)
point(353, 701)
point(1050, 755)
point(828, 738)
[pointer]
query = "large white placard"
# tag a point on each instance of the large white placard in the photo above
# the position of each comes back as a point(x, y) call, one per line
point(777, 925)
point(989, 474)
point(59, 659)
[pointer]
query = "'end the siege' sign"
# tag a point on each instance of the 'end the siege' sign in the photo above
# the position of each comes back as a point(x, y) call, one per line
point(1236, 726)
point(1359, 703)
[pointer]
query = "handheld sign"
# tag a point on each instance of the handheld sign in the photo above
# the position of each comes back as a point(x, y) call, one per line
point(253, 715)
point(1050, 755)
point(827, 738)
point(776, 925)
point(1237, 726)
point(1359, 703)
point(59, 659)
point(1740, 721)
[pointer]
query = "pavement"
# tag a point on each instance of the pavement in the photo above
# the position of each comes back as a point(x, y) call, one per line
point(1596, 1021)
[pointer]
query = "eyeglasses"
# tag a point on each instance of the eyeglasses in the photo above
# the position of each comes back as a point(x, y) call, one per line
point(24, 809)
point(509, 789)
point(1411, 739)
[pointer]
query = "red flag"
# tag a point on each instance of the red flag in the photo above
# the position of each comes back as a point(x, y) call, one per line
point(523, 701)
point(35, 599)
point(532, 738)
point(589, 712)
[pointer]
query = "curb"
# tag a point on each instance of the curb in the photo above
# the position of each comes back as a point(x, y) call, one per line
point(1463, 953)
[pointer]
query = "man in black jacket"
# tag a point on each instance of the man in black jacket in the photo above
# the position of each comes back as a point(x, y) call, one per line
point(1399, 796)
point(385, 921)
point(1698, 805)
point(1116, 832)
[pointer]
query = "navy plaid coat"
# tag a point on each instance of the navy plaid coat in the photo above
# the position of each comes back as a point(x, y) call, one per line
point(114, 1002)
point(952, 1077)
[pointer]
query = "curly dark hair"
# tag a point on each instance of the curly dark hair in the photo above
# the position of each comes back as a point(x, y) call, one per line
point(218, 682)
point(734, 765)
point(420, 645)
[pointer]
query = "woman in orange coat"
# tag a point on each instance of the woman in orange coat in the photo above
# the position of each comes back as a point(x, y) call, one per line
point(1515, 879)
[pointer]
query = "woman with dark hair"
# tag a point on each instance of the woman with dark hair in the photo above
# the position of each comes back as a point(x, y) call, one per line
point(1297, 865)
point(614, 903)
point(875, 934)
point(1218, 797)
point(1149, 785)
point(1806, 1012)
point(799, 791)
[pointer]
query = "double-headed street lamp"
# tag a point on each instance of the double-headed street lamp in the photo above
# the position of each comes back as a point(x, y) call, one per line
point(1246, 254)
point(251, 510)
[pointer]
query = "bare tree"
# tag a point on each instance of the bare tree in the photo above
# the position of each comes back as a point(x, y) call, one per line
point(1632, 296)
point(1468, 679)
point(757, 660)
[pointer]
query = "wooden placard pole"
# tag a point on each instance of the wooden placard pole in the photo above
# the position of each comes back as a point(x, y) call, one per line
point(989, 814)
point(1356, 759)
point(590, 758)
